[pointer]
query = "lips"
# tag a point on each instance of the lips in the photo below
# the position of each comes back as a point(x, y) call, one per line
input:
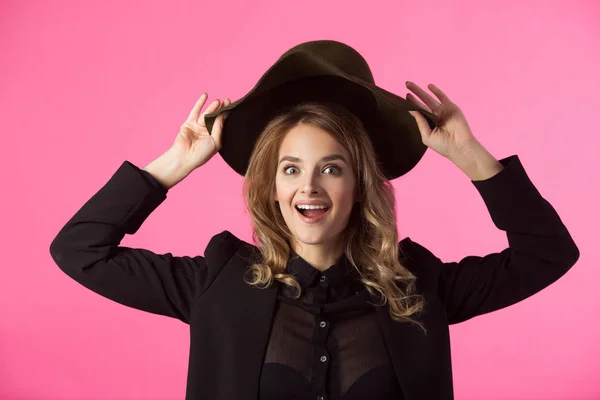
point(311, 203)
point(312, 220)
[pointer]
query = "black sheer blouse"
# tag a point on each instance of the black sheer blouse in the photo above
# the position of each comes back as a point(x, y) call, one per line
point(327, 344)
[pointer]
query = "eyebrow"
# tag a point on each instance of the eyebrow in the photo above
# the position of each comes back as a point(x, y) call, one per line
point(330, 157)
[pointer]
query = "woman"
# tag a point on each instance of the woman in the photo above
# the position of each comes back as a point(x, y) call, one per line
point(330, 304)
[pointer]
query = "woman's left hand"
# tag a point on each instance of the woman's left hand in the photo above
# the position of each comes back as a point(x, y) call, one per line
point(452, 136)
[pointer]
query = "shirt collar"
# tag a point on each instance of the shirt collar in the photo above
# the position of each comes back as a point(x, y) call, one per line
point(340, 274)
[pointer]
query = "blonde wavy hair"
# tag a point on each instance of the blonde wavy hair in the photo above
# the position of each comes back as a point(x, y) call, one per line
point(371, 238)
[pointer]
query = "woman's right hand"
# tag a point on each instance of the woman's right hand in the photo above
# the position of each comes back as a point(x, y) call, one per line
point(194, 145)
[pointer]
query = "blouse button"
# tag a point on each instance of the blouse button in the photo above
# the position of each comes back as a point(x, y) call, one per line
point(323, 324)
point(323, 279)
point(320, 398)
point(323, 358)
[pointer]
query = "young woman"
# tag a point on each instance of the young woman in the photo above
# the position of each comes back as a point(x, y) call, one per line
point(328, 304)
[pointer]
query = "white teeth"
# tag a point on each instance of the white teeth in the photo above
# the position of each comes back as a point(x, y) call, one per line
point(307, 207)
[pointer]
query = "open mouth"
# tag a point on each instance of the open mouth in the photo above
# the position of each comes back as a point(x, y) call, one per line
point(313, 215)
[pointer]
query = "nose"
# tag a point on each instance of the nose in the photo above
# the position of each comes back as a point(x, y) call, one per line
point(311, 183)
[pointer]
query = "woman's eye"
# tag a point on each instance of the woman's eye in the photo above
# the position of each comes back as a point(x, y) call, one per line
point(336, 169)
point(287, 169)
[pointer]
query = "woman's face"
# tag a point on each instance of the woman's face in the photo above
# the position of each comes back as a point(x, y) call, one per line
point(313, 166)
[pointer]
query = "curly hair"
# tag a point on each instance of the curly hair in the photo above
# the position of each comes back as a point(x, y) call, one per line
point(371, 238)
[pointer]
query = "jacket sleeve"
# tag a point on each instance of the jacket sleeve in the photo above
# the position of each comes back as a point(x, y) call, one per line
point(87, 249)
point(540, 250)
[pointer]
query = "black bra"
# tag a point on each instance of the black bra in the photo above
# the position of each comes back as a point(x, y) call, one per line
point(279, 381)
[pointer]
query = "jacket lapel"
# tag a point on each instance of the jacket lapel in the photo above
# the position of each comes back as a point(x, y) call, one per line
point(421, 362)
point(251, 328)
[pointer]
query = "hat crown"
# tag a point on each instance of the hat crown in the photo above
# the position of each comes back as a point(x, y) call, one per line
point(324, 71)
point(336, 54)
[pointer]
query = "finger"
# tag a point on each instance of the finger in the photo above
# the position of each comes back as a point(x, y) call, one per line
point(217, 130)
point(197, 107)
point(227, 102)
point(438, 92)
point(430, 101)
point(422, 124)
point(414, 100)
point(212, 107)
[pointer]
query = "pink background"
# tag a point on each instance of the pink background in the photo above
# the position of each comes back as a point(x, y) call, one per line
point(86, 85)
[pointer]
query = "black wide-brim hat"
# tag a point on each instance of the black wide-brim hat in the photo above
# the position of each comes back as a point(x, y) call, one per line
point(324, 71)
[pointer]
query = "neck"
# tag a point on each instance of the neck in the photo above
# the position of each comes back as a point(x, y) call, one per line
point(321, 255)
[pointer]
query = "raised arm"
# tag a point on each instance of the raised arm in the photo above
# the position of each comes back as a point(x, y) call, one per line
point(87, 248)
point(540, 250)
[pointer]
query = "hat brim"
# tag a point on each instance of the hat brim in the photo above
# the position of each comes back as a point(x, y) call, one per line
point(300, 77)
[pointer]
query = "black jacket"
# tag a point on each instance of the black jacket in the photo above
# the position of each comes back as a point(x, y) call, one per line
point(229, 320)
